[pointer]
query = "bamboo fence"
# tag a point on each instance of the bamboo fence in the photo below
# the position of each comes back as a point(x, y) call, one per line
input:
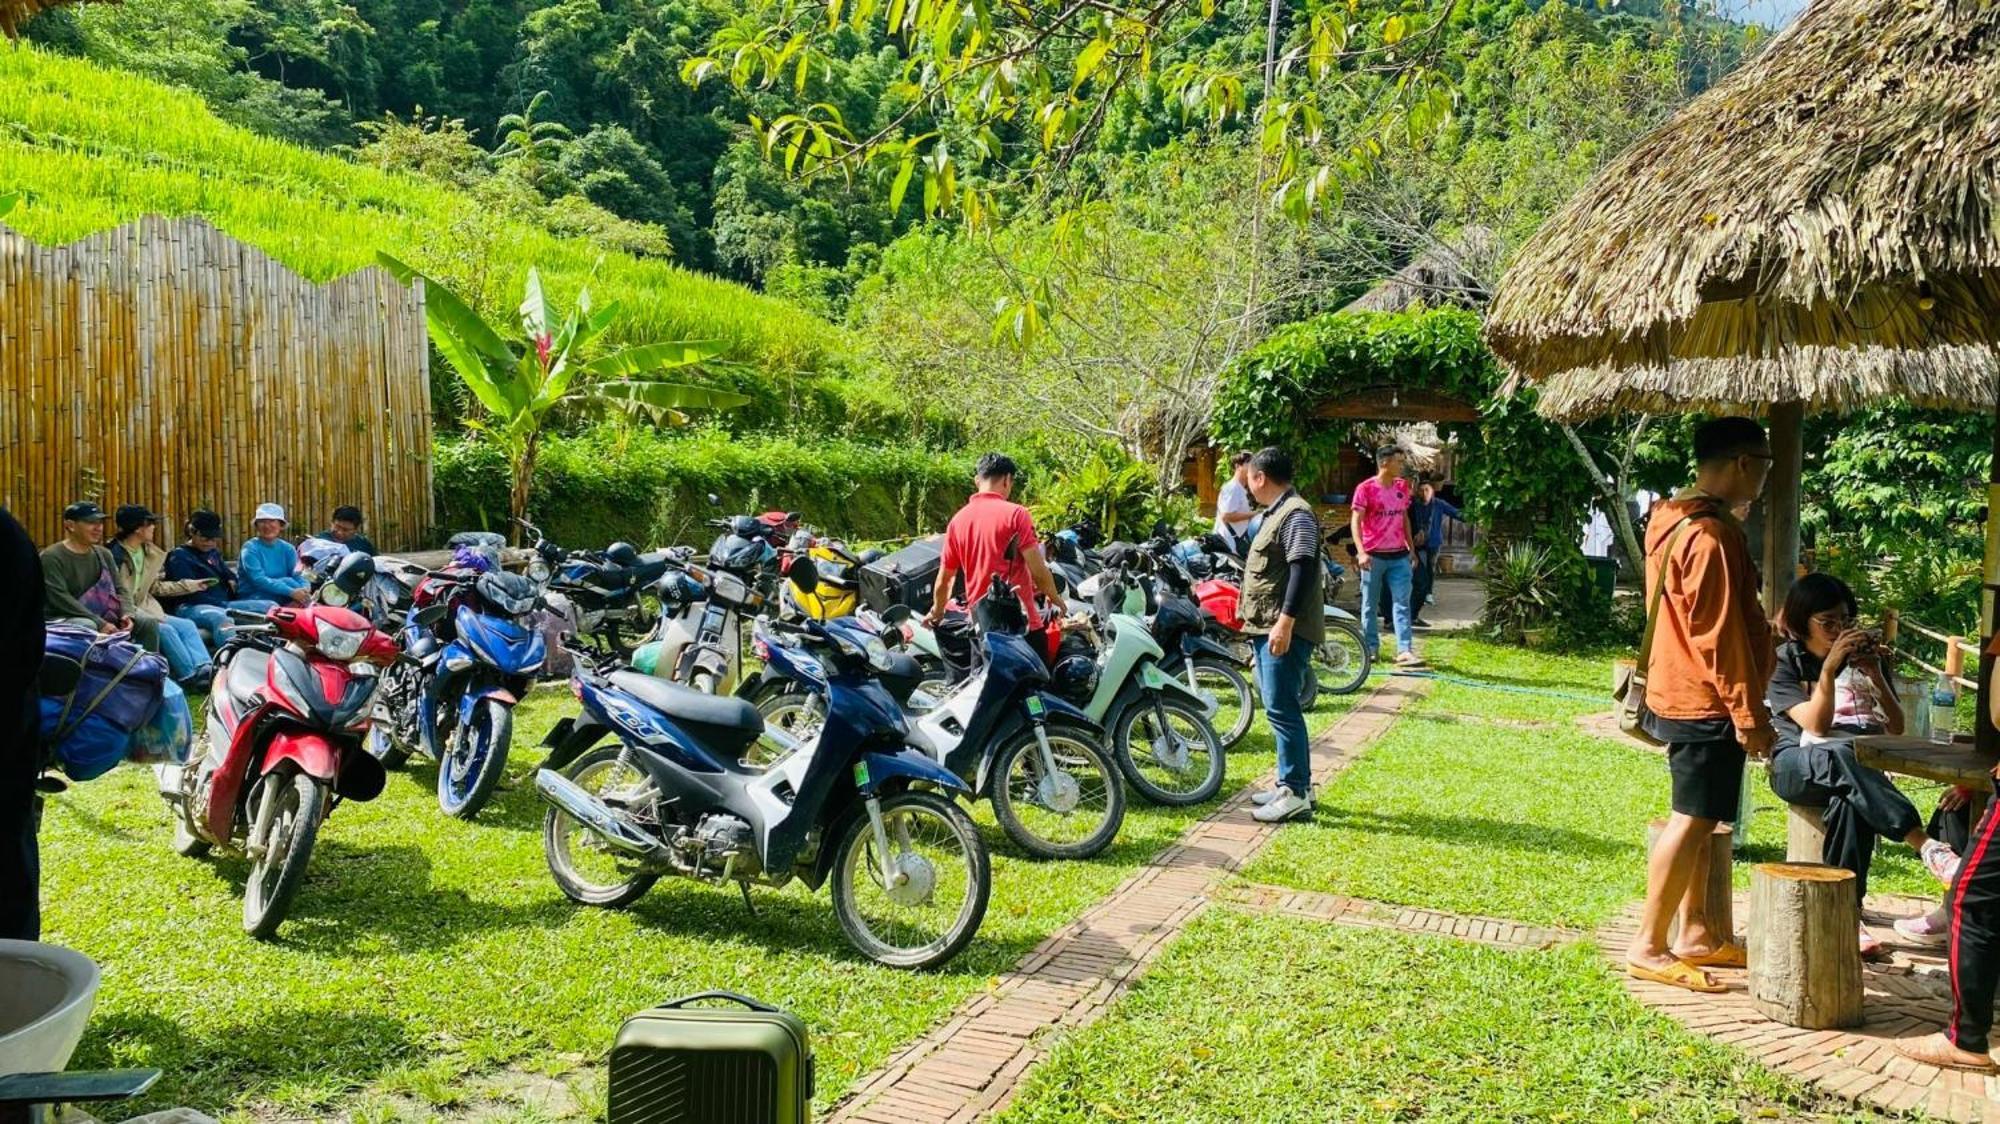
point(165, 363)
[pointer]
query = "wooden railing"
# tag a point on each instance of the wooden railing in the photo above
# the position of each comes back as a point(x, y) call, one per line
point(1956, 648)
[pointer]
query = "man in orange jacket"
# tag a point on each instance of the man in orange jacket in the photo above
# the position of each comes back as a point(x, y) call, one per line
point(1710, 663)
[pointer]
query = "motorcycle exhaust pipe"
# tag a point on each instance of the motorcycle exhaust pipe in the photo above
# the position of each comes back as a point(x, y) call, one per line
point(599, 817)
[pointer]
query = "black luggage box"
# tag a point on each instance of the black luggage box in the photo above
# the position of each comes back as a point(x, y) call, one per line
point(902, 578)
point(682, 1064)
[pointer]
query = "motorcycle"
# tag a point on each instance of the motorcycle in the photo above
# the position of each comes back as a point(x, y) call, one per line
point(286, 720)
point(702, 609)
point(668, 795)
point(1340, 663)
point(605, 592)
point(451, 695)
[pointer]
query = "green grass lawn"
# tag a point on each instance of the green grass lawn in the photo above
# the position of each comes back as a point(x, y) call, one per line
point(1267, 1018)
point(423, 950)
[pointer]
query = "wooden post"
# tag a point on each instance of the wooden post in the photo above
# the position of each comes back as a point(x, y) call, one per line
point(1781, 503)
point(1805, 834)
point(1954, 658)
point(1891, 626)
point(1719, 900)
point(1805, 964)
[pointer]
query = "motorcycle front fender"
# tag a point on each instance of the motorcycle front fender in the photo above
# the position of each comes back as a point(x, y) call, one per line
point(315, 755)
point(1053, 707)
point(1154, 679)
point(1336, 613)
point(876, 769)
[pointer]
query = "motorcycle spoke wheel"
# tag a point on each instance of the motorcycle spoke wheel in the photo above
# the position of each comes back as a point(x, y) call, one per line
point(932, 909)
point(1074, 813)
point(1235, 703)
point(586, 868)
point(1168, 752)
point(276, 876)
point(474, 759)
point(1341, 663)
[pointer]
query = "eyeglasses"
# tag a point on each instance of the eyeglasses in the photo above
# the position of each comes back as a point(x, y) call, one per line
point(1834, 619)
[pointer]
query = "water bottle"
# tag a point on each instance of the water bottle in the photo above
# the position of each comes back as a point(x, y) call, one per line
point(1944, 709)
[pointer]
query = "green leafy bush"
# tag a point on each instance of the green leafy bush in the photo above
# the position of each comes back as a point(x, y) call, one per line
point(614, 482)
point(1521, 591)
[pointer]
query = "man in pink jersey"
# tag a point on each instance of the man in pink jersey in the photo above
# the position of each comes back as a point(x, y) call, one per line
point(1382, 546)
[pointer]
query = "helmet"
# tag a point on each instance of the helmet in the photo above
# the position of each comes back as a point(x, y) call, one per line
point(1075, 678)
point(621, 554)
point(739, 552)
point(512, 594)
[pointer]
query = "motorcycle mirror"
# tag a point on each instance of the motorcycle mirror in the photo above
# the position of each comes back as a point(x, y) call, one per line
point(714, 500)
point(803, 573)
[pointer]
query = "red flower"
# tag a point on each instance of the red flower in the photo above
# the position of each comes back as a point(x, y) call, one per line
point(542, 343)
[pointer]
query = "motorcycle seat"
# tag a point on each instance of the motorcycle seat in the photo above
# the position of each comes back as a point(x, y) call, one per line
point(724, 723)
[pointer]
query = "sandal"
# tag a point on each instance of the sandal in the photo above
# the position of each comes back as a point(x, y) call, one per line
point(1937, 1050)
point(1678, 974)
point(1729, 955)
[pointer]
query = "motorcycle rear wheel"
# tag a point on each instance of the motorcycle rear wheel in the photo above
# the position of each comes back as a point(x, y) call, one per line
point(1044, 831)
point(1134, 733)
point(474, 759)
point(276, 876)
point(186, 843)
point(1236, 702)
point(937, 840)
point(1341, 663)
point(598, 879)
point(795, 713)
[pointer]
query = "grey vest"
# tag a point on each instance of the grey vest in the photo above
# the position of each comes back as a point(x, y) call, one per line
point(1266, 570)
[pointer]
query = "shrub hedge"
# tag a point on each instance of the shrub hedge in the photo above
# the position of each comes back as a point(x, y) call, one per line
point(611, 483)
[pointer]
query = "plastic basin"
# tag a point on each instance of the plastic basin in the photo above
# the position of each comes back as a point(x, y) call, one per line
point(46, 994)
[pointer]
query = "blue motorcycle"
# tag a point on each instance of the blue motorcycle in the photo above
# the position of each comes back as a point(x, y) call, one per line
point(468, 657)
point(654, 781)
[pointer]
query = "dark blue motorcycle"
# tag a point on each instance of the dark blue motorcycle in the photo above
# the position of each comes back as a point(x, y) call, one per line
point(654, 782)
point(469, 655)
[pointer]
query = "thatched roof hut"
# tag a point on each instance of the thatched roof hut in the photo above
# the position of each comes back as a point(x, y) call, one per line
point(1822, 228)
point(14, 13)
point(1455, 271)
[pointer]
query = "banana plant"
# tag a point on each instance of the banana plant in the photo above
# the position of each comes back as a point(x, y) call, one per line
point(522, 381)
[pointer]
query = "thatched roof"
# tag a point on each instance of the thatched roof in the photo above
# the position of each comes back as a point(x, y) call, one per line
point(1822, 227)
point(1455, 271)
point(14, 13)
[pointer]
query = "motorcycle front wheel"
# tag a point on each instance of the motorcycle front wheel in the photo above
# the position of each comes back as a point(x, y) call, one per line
point(277, 874)
point(797, 714)
point(929, 910)
point(1073, 813)
point(474, 758)
point(1341, 663)
point(587, 869)
point(1167, 751)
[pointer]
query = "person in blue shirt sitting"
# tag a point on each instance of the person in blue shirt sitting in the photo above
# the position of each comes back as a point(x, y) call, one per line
point(268, 566)
point(200, 559)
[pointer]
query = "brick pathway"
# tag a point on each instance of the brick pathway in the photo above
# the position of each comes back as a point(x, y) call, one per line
point(1495, 931)
point(970, 1065)
point(1907, 995)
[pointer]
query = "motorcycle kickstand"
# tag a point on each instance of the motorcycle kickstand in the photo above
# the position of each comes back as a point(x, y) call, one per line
point(890, 876)
point(728, 869)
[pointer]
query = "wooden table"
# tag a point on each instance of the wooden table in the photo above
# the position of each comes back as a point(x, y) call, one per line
point(1955, 763)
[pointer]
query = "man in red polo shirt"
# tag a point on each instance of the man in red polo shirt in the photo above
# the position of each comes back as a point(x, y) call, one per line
point(976, 543)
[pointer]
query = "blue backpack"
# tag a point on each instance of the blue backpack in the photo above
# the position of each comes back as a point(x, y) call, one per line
point(96, 692)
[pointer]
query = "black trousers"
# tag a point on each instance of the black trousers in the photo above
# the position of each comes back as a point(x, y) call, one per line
point(20, 865)
point(1425, 579)
point(1975, 937)
point(1861, 803)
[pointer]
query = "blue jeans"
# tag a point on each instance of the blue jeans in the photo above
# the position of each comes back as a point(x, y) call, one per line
point(1279, 680)
point(213, 620)
point(1395, 574)
point(180, 642)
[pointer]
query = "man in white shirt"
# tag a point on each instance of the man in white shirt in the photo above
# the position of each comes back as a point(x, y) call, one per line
point(1232, 504)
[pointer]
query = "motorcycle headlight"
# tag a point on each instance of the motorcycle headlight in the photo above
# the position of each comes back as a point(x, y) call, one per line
point(331, 594)
point(538, 570)
point(340, 643)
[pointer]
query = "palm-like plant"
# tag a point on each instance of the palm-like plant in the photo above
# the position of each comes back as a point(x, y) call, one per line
point(521, 383)
point(528, 140)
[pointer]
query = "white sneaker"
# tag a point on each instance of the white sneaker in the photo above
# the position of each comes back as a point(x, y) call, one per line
point(1940, 860)
point(1407, 659)
point(1275, 791)
point(1283, 808)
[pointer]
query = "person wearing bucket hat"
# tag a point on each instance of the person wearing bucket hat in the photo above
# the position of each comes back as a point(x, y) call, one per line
point(268, 566)
point(199, 559)
point(79, 582)
point(140, 567)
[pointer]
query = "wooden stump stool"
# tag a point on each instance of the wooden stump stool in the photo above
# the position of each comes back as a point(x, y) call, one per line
point(1719, 896)
point(1805, 967)
point(1805, 834)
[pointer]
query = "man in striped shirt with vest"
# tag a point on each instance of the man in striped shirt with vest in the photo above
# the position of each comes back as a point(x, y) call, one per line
point(1284, 618)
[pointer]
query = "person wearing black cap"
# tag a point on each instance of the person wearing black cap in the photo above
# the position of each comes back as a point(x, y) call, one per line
point(20, 742)
point(139, 564)
point(199, 559)
point(79, 582)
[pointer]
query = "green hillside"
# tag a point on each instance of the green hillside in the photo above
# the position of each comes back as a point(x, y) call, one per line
point(90, 148)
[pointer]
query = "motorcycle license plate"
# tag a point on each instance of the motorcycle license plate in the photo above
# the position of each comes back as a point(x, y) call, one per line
point(1035, 708)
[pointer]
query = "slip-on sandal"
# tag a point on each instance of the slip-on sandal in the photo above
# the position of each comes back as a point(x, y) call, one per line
point(1678, 974)
point(1927, 1050)
point(1729, 955)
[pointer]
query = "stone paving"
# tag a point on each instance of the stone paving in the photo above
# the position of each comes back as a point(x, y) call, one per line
point(1907, 995)
point(970, 1065)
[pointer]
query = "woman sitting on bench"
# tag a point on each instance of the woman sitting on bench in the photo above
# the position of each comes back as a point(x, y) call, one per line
point(1831, 684)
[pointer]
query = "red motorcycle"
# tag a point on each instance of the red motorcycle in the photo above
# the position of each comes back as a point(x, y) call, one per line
point(286, 733)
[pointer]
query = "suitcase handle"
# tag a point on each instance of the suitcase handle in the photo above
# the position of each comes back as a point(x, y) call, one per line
point(733, 997)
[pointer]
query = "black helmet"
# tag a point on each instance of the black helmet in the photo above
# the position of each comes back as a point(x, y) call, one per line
point(622, 554)
point(739, 553)
point(1075, 678)
point(512, 594)
point(870, 555)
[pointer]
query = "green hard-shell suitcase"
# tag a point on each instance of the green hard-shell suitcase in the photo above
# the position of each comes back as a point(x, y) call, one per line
point(682, 1064)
